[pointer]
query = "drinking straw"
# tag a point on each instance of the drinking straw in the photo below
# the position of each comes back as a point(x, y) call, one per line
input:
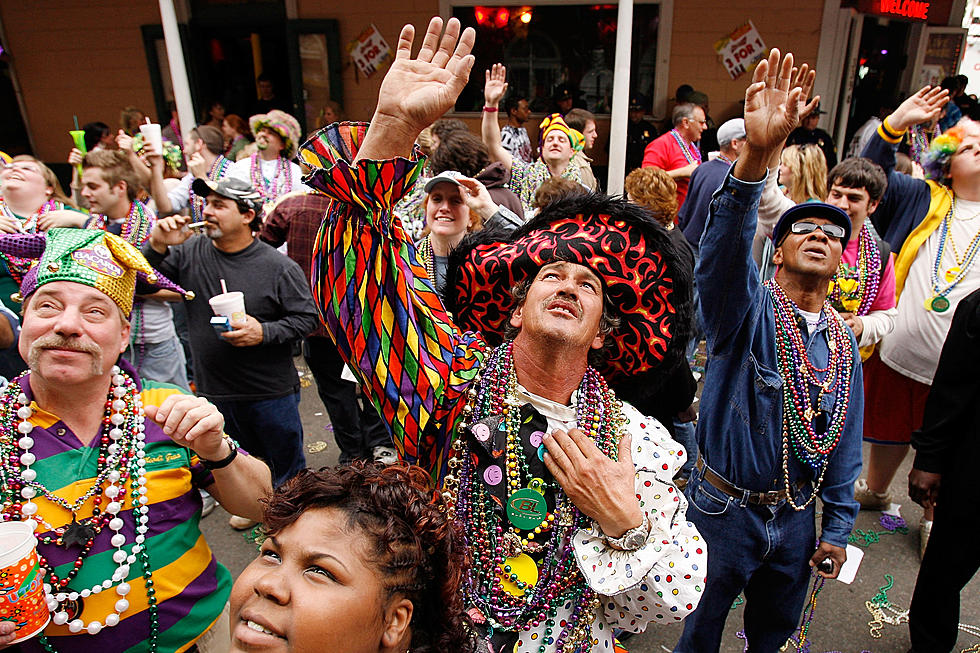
point(224, 288)
point(75, 118)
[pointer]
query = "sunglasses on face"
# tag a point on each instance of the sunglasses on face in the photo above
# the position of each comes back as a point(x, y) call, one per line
point(834, 231)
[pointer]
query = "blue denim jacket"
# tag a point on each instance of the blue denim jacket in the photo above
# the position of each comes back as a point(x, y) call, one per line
point(740, 429)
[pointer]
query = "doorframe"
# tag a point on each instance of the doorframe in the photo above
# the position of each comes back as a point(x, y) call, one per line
point(331, 29)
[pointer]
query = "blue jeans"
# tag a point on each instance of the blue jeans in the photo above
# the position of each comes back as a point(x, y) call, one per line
point(763, 550)
point(162, 362)
point(269, 429)
point(684, 435)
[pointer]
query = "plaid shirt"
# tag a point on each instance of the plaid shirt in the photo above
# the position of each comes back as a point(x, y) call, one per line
point(295, 219)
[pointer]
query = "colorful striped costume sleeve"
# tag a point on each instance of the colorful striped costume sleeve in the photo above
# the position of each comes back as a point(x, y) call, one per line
point(377, 302)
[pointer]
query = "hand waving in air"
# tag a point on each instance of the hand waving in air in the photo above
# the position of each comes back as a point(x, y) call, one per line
point(923, 106)
point(417, 91)
point(496, 85)
point(775, 102)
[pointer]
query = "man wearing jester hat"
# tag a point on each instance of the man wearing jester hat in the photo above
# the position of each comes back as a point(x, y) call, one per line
point(563, 490)
point(106, 467)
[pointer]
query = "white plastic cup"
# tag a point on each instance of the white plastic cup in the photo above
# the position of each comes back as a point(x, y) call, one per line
point(230, 305)
point(22, 595)
point(152, 135)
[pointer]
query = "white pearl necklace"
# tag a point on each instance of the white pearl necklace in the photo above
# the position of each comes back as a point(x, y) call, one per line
point(112, 492)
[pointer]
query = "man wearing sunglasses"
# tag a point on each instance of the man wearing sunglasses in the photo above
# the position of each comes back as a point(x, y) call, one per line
point(781, 413)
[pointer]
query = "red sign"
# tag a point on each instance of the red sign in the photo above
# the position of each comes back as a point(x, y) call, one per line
point(917, 10)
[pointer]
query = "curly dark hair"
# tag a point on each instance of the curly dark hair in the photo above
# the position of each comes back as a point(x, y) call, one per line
point(445, 126)
point(460, 150)
point(416, 548)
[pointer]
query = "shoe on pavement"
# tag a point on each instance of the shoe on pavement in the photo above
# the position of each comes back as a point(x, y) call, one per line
point(385, 455)
point(868, 498)
point(209, 503)
point(241, 523)
point(925, 530)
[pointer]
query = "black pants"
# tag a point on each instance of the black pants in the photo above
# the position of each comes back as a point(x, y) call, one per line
point(951, 559)
point(357, 429)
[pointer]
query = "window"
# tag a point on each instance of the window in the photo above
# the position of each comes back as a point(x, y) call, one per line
point(551, 49)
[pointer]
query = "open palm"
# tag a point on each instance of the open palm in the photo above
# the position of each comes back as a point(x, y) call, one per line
point(774, 102)
point(418, 91)
point(496, 84)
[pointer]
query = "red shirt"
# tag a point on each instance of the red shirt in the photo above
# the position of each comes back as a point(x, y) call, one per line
point(663, 152)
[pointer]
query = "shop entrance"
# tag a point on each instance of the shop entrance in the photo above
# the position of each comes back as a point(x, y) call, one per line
point(882, 59)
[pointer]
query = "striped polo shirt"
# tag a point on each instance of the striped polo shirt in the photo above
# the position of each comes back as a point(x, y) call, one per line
point(191, 587)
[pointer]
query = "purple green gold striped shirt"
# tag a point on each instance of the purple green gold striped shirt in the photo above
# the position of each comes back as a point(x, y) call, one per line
point(191, 587)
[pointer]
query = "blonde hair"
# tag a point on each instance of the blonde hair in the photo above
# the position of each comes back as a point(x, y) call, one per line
point(130, 119)
point(653, 189)
point(51, 179)
point(809, 168)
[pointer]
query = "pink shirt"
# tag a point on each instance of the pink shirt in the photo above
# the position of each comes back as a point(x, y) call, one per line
point(885, 298)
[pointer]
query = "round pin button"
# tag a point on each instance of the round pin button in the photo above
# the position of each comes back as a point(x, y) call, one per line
point(493, 475)
point(536, 438)
point(481, 431)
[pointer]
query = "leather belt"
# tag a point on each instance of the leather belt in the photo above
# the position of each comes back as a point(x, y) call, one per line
point(758, 498)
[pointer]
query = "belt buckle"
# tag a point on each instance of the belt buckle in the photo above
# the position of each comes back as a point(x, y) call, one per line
point(771, 497)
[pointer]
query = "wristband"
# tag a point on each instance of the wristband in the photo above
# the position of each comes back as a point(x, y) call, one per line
point(889, 134)
point(224, 462)
point(491, 109)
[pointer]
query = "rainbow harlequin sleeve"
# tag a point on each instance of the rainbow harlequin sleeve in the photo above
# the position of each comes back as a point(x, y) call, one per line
point(377, 302)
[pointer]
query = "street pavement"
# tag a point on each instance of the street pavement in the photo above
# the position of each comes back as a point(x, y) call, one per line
point(840, 621)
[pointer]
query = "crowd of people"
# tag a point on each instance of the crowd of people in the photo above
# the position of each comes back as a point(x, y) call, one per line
point(505, 354)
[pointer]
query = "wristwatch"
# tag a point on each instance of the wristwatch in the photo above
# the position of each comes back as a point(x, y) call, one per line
point(632, 539)
point(224, 462)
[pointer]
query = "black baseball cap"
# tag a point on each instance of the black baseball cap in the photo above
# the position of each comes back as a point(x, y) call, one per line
point(230, 187)
point(806, 210)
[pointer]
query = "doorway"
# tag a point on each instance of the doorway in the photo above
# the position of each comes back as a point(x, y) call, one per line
point(882, 59)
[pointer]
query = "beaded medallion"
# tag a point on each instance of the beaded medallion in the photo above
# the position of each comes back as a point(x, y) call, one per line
point(952, 276)
point(535, 521)
point(854, 288)
point(810, 433)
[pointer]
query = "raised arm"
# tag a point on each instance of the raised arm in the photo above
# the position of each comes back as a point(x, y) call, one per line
point(774, 104)
point(726, 273)
point(895, 216)
point(158, 190)
point(416, 92)
point(494, 89)
point(372, 293)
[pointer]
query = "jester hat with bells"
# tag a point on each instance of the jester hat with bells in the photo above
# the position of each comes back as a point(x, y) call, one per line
point(87, 256)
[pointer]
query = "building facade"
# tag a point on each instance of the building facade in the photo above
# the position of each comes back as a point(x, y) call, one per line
point(92, 59)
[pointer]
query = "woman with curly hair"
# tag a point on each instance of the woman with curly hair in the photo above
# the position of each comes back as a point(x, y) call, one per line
point(358, 558)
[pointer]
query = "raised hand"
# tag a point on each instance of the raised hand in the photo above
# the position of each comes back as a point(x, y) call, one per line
point(496, 85)
point(772, 104)
point(804, 79)
point(477, 198)
point(417, 91)
point(921, 107)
